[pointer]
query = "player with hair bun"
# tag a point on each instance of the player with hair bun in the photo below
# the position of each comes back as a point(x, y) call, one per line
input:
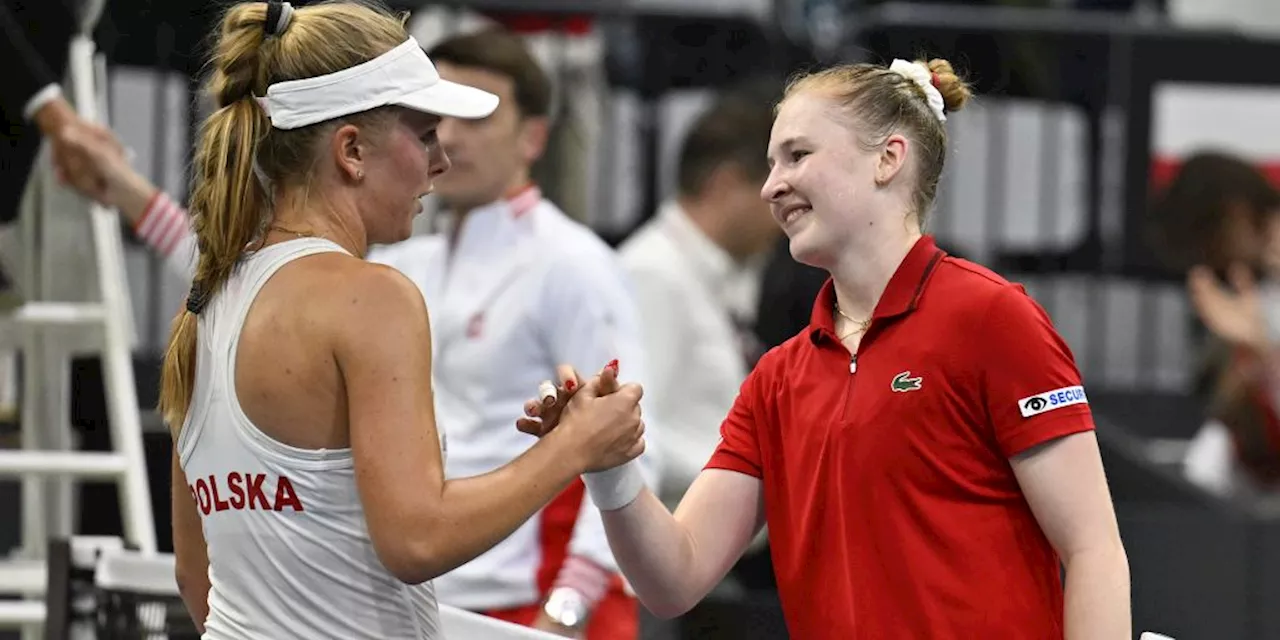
point(923, 453)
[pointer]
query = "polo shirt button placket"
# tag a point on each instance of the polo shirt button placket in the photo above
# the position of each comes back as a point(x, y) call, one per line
point(849, 411)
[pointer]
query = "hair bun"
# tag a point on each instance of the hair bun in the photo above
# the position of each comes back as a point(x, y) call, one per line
point(955, 91)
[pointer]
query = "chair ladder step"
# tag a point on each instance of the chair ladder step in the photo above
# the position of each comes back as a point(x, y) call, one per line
point(20, 577)
point(59, 314)
point(21, 613)
point(77, 464)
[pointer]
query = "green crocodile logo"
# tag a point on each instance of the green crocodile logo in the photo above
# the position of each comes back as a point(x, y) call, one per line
point(903, 382)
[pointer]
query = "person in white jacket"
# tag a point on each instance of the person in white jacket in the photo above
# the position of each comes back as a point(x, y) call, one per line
point(514, 287)
point(697, 266)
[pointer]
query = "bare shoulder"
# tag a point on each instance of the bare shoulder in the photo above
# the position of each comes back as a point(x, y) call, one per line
point(369, 302)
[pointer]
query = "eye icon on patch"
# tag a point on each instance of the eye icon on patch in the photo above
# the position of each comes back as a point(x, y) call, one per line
point(1051, 400)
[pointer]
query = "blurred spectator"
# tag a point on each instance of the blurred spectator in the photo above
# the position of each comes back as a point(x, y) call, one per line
point(37, 37)
point(107, 177)
point(1216, 212)
point(35, 45)
point(697, 267)
point(570, 49)
point(1238, 448)
point(1219, 222)
point(35, 42)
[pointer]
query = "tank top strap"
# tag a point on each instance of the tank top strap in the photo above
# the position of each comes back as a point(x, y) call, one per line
point(258, 268)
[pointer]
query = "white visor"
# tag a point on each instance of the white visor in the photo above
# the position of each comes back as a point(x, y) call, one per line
point(403, 76)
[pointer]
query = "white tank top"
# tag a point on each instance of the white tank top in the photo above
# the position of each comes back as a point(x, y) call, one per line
point(289, 549)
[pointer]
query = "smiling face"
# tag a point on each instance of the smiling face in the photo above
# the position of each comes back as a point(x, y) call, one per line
point(855, 158)
point(822, 183)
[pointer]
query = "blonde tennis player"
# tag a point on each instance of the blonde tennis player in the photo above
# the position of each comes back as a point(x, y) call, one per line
point(309, 493)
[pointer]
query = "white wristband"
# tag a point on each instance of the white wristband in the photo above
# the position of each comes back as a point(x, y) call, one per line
point(615, 488)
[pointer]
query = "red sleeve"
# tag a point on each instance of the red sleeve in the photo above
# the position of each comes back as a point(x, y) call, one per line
point(1031, 387)
point(739, 448)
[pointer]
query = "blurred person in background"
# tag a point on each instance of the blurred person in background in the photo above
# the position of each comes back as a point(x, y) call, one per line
point(697, 267)
point(1218, 221)
point(34, 43)
point(107, 177)
point(514, 287)
point(570, 48)
point(924, 453)
point(1217, 213)
point(35, 46)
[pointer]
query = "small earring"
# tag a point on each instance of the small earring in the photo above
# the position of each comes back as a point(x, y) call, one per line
point(359, 174)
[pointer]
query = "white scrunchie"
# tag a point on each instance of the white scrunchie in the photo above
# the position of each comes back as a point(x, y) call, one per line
point(921, 75)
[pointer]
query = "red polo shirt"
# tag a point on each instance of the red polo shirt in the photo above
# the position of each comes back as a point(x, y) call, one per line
point(893, 510)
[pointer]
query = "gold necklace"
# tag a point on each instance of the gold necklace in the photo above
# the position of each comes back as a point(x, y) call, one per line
point(860, 326)
point(300, 234)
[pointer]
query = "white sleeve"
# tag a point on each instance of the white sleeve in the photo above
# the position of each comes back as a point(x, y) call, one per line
point(411, 257)
point(663, 311)
point(589, 318)
point(37, 102)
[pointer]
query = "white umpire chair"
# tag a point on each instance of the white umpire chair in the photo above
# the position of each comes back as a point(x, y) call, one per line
point(48, 332)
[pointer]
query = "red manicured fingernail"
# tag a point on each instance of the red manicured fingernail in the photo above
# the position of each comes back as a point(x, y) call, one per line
point(569, 385)
point(613, 364)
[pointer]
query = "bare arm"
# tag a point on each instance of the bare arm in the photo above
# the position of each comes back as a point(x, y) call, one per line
point(673, 561)
point(190, 552)
point(1064, 483)
point(422, 525)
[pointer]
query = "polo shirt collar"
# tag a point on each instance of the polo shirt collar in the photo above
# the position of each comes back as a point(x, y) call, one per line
point(900, 296)
point(522, 200)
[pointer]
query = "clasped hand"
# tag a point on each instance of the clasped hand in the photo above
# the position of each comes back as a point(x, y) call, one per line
point(87, 157)
point(602, 416)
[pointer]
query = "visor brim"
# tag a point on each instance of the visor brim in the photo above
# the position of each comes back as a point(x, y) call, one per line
point(451, 99)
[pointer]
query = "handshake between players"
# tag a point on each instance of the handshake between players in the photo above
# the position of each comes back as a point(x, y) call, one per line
point(602, 415)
